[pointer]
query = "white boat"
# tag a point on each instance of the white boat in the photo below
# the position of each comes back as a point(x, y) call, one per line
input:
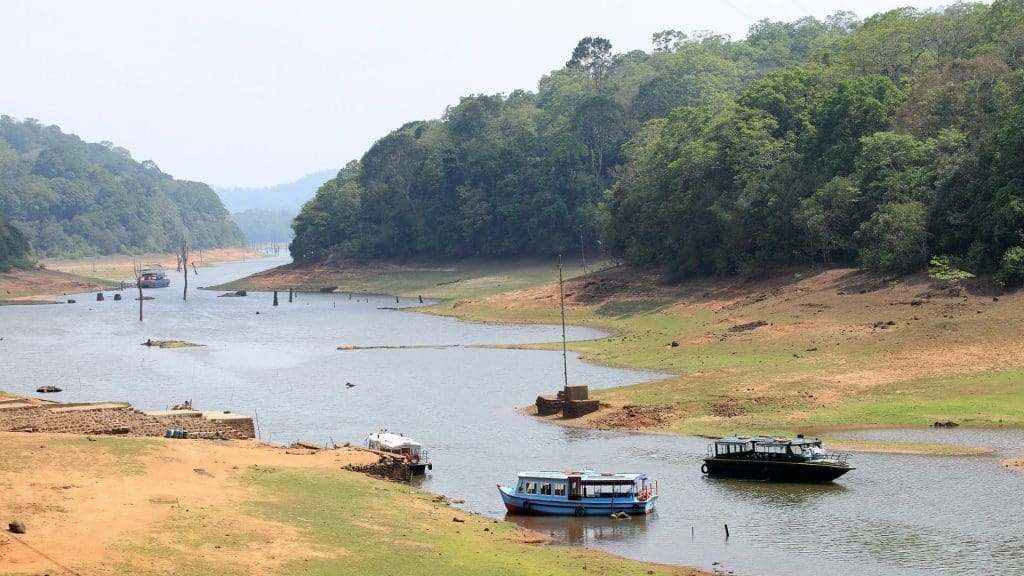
point(415, 456)
point(154, 279)
point(580, 493)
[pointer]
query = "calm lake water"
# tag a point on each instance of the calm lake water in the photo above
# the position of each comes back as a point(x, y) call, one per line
point(894, 515)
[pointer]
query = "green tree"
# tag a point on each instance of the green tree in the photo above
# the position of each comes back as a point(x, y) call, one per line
point(592, 57)
point(895, 238)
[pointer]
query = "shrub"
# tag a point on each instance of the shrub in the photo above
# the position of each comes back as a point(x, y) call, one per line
point(1011, 267)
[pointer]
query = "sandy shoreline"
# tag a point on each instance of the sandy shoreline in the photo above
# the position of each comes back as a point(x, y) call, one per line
point(106, 506)
point(56, 278)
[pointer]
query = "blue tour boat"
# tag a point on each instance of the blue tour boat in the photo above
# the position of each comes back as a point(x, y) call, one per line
point(580, 493)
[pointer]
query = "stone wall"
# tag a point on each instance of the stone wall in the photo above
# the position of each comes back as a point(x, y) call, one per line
point(108, 418)
point(577, 408)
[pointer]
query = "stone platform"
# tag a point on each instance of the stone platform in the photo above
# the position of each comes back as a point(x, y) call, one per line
point(98, 418)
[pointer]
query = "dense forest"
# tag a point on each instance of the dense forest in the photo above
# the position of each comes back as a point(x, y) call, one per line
point(879, 143)
point(67, 197)
point(14, 248)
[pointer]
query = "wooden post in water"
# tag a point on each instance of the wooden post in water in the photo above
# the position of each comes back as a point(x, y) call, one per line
point(137, 270)
point(726, 531)
point(290, 292)
point(275, 297)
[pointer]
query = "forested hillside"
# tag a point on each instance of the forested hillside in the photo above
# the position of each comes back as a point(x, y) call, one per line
point(14, 248)
point(72, 198)
point(878, 143)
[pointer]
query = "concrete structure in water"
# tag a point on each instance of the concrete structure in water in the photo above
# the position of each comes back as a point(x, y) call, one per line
point(572, 401)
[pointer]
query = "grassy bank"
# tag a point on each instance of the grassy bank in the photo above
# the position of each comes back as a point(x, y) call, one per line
point(454, 281)
point(809, 350)
point(154, 507)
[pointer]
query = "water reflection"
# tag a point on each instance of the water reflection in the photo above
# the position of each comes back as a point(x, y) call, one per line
point(586, 530)
point(776, 494)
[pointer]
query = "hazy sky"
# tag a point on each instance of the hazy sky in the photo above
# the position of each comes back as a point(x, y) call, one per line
point(257, 93)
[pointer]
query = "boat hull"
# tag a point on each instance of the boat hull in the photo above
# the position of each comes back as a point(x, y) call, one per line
point(753, 469)
point(554, 506)
point(418, 469)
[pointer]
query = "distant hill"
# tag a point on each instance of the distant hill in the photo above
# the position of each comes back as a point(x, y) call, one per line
point(73, 198)
point(266, 214)
point(265, 226)
point(288, 197)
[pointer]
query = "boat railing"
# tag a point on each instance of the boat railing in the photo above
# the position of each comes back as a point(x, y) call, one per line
point(648, 491)
point(836, 457)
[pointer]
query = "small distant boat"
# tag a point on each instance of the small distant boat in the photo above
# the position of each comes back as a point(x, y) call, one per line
point(774, 459)
point(580, 493)
point(154, 279)
point(412, 451)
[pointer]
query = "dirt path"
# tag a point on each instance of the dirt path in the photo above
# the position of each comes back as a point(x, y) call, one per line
point(76, 505)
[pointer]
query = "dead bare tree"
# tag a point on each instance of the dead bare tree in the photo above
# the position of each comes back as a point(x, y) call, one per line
point(183, 260)
point(137, 270)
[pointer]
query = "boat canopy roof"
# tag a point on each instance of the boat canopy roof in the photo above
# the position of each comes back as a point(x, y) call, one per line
point(392, 441)
point(769, 440)
point(586, 476)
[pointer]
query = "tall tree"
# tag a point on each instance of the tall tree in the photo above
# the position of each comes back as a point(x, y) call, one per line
point(592, 57)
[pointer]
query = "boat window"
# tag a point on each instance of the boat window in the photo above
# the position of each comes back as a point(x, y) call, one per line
point(545, 489)
point(522, 487)
point(559, 489)
point(531, 487)
point(617, 490)
point(733, 447)
point(796, 449)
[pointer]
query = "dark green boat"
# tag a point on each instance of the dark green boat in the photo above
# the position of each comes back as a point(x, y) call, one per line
point(774, 459)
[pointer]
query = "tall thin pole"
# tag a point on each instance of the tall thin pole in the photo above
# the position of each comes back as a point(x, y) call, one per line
point(561, 301)
point(582, 255)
